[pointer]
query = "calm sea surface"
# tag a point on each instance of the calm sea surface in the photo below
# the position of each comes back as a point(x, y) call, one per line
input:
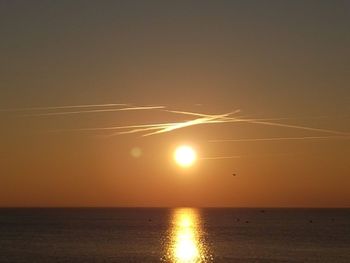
point(174, 235)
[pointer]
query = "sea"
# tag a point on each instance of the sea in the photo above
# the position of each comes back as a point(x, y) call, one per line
point(182, 235)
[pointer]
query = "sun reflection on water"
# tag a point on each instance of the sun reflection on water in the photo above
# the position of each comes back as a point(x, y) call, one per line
point(186, 243)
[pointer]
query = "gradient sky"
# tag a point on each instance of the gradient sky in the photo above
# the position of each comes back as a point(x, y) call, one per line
point(286, 61)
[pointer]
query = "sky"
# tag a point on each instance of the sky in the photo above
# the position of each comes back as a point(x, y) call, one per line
point(96, 95)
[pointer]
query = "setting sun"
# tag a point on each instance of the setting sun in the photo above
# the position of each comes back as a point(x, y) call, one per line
point(185, 156)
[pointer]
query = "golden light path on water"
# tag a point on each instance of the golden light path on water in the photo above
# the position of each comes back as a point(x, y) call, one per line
point(186, 242)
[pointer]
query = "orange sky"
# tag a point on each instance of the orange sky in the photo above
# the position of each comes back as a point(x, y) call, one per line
point(276, 63)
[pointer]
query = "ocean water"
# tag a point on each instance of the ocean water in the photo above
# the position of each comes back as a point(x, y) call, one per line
point(183, 235)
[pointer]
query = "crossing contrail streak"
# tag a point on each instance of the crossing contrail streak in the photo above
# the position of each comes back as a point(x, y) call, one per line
point(266, 122)
point(229, 119)
point(298, 127)
point(133, 131)
point(158, 125)
point(64, 107)
point(198, 114)
point(159, 128)
point(203, 120)
point(94, 111)
point(282, 139)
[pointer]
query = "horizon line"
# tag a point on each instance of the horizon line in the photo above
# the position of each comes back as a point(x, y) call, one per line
point(174, 207)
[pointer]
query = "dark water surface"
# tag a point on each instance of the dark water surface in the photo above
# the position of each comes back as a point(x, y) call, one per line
point(174, 235)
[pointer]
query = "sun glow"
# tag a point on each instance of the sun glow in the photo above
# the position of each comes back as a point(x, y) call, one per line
point(185, 155)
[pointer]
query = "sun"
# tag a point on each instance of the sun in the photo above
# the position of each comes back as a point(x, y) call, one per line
point(185, 155)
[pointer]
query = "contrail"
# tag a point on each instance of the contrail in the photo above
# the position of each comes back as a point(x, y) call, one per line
point(204, 120)
point(266, 122)
point(297, 127)
point(229, 119)
point(167, 127)
point(198, 114)
point(94, 111)
point(282, 139)
point(178, 126)
point(158, 125)
point(133, 131)
point(159, 128)
point(64, 107)
point(137, 128)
